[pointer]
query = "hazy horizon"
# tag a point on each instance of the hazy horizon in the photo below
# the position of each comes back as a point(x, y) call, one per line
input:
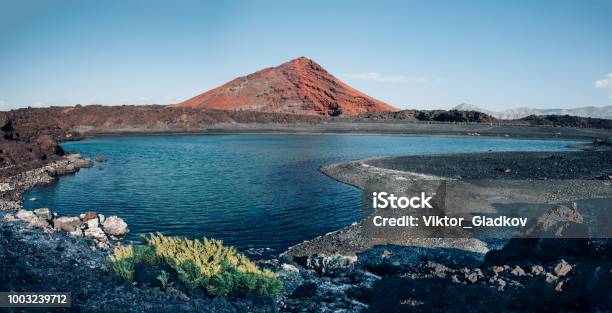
point(413, 55)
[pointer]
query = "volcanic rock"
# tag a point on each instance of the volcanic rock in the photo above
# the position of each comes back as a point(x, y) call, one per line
point(305, 290)
point(291, 277)
point(560, 221)
point(557, 233)
point(328, 265)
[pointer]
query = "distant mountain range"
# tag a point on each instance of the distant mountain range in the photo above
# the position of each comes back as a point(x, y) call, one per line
point(517, 113)
point(300, 86)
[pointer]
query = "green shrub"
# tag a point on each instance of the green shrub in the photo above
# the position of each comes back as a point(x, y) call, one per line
point(206, 264)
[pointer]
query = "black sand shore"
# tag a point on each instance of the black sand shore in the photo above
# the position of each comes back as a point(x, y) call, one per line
point(522, 165)
point(540, 177)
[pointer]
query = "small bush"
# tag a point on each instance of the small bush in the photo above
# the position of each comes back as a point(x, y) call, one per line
point(122, 263)
point(205, 264)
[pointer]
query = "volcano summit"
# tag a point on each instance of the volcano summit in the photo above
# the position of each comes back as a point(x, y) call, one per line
point(300, 86)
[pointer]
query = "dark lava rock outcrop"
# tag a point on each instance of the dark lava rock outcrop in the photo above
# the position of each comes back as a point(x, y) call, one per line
point(457, 116)
point(567, 121)
point(29, 137)
point(433, 116)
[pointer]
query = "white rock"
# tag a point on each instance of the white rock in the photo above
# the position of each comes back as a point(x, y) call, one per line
point(101, 218)
point(9, 218)
point(93, 223)
point(6, 187)
point(76, 233)
point(115, 226)
point(95, 233)
point(332, 265)
point(562, 268)
point(74, 156)
point(39, 222)
point(25, 215)
point(68, 224)
point(88, 216)
point(44, 213)
point(289, 268)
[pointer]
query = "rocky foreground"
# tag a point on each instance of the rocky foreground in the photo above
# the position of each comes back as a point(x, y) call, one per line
point(526, 275)
point(409, 271)
point(40, 250)
point(553, 276)
point(32, 260)
point(547, 275)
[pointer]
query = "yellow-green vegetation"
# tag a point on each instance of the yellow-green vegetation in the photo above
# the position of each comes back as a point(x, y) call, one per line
point(205, 263)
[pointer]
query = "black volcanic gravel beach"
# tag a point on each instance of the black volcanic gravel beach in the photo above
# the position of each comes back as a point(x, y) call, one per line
point(505, 165)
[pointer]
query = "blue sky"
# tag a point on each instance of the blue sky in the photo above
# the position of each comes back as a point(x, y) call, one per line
point(412, 54)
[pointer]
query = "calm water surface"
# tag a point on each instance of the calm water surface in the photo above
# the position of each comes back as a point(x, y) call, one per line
point(248, 190)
